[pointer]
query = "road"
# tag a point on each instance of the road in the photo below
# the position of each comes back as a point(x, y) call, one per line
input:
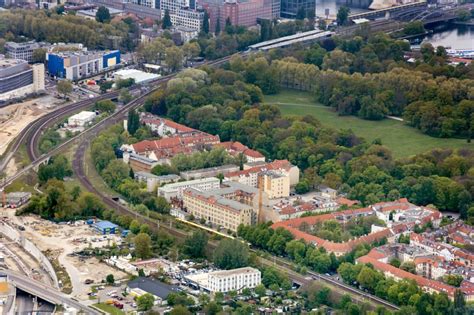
point(44, 292)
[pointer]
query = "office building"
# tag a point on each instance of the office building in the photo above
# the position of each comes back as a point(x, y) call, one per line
point(175, 190)
point(18, 79)
point(289, 8)
point(153, 181)
point(23, 51)
point(227, 207)
point(79, 64)
point(240, 12)
point(234, 279)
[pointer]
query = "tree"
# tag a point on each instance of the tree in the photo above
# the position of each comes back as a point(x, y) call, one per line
point(76, 192)
point(106, 106)
point(102, 15)
point(205, 23)
point(133, 122)
point(110, 279)
point(134, 227)
point(454, 280)
point(229, 29)
point(231, 254)
point(408, 266)
point(105, 85)
point(90, 205)
point(212, 308)
point(343, 15)
point(174, 58)
point(166, 23)
point(218, 26)
point(125, 96)
point(39, 55)
point(180, 310)
point(260, 290)
point(142, 245)
point(459, 301)
point(64, 87)
point(145, 302)
point(195, 245)
point(115, 173)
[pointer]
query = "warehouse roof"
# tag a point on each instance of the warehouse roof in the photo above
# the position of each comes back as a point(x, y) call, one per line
point(105, 225)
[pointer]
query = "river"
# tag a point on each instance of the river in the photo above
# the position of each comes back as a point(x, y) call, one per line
point(452, 36)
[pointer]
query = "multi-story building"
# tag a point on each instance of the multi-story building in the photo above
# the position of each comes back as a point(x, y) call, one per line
point(290, 8)
point(228, 207)
point(23, 51)
point(81, 119)
point(18, 79)
point(278, 176)
point(208, 172)
point(233, 280)
point(239, 12)
point(152, 181)
point(182, 13)
point(79, 64)
point(140, 163)
point(175, 190)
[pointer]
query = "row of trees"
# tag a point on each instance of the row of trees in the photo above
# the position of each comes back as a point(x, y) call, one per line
point(52, 27)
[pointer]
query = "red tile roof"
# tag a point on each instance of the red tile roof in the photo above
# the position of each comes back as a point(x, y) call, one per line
point(275, 165)
point(237, 147)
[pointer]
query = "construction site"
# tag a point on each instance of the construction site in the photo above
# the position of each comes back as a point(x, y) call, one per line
point(60, 245)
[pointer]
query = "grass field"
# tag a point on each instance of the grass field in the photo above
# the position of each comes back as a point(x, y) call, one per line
point(110, 309)
point(400, 138)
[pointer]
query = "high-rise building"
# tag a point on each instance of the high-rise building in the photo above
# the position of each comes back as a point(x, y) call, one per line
point(240, 12)
point(290, 8)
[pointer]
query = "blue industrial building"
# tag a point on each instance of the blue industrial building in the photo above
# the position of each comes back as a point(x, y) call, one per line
point(105, 227)
point(80, 64)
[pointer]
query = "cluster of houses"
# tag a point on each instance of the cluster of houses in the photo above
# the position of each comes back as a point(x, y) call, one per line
point(399, 216)
point(433, 259)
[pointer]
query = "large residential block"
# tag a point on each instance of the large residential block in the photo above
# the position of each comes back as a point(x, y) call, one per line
point(23, 51)
point(234, 279)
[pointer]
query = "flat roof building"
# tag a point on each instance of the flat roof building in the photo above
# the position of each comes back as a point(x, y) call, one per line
point(23, 51)
point(152, 181)
point(140, 77)
point(79, 64)
point(175, 190)
point(18, 78)
point(227, 280)
point(105, 227)
point(208, 172)
point(81, 119)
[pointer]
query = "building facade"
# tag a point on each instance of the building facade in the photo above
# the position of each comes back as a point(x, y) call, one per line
point(228, 207)
point(289, 8)
point(208, 172)
point(176, 190)
point(182, 13)
point(18, 79)
point(23, 51)
point(234, 280)
point(80, 64)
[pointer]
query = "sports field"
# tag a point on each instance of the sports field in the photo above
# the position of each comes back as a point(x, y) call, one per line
point(400, 138)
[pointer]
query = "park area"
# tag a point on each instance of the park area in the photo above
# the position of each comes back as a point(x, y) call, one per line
point(401, 139)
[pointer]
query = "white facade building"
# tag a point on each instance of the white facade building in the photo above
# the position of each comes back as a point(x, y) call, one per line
point(81, 119)
point(176, 190)
point(18, 79)
point(233, 280)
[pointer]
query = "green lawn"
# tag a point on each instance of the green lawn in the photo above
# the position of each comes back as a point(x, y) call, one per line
point(110, 309)
point(400, 138)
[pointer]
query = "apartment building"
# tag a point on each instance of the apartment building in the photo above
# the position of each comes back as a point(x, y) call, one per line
point(153, 181)
point(234, 280)
point(140, 163)
point(19, 79)
point(175, 190)
point(80, 64)
point(182, 13)
point(275, 184)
